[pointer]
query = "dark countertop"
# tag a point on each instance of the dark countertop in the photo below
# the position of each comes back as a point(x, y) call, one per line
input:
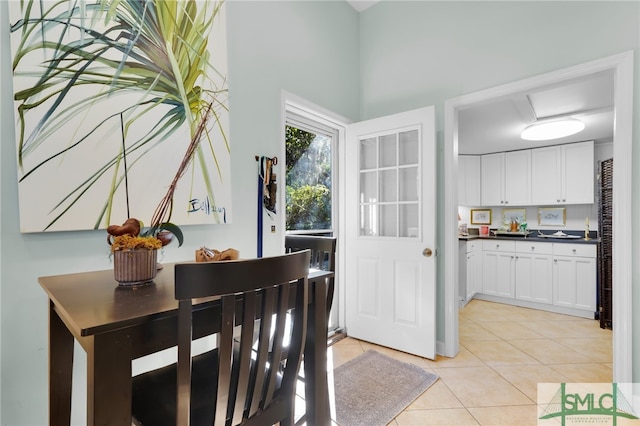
point(533, 237)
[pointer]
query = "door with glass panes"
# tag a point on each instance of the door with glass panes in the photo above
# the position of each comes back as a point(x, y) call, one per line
point(390, 231)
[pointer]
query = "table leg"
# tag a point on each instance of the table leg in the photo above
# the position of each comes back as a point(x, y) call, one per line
point(60, 369)
point(109, 380)
point(318, 412)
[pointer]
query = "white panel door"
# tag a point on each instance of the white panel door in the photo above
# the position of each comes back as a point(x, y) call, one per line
point(390, 231)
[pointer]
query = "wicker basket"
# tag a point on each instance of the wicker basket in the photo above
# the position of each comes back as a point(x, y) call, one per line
point(135, 267)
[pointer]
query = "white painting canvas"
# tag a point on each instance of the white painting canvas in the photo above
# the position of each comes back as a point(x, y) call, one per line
point(111, 97)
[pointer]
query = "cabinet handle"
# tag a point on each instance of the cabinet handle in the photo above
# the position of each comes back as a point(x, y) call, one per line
point(497, 245)
point(517, 257)
point(532, 248)
point(506, 202)
point(557, 201)
point(555, 260)
point(573, 250)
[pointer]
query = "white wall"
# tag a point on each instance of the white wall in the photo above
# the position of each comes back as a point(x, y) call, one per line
point(307, 48)
point(415, 54)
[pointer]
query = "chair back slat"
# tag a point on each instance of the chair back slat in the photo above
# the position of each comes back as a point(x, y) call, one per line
point(262, 356)
point(183, 386)
point(276, 337)
point(244, 357)
point(253, 291)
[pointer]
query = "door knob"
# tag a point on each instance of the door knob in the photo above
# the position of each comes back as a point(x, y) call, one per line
point(427, 252)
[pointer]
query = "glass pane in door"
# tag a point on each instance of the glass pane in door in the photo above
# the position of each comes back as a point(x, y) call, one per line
point(389, 185)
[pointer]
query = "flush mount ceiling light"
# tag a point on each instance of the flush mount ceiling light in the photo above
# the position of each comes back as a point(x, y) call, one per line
point(555, 129)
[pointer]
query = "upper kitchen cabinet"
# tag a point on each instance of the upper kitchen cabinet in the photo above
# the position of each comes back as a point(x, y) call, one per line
point(563, 174)
point(469, 180)
point(506, 178)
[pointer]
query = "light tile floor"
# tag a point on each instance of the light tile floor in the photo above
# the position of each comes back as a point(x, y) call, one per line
point(504, 352)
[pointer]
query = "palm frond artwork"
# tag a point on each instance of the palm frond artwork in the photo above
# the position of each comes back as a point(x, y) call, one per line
point(101, 83)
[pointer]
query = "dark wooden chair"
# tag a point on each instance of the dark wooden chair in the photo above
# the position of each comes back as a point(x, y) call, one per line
point(323, 255)
point(232, 384)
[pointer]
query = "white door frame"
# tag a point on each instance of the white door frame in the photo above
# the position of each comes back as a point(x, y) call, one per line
point(301, 106)
point(622, 65)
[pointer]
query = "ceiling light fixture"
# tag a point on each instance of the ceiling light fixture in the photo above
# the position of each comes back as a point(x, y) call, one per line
point(554, 129)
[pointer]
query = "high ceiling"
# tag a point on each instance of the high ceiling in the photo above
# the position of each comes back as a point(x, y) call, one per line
point(361, 5)
point(496, 126)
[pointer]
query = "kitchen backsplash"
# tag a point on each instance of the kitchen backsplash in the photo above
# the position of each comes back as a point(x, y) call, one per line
point(576, 216)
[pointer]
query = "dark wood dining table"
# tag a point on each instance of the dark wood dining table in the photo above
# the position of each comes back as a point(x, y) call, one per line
point(115, 325)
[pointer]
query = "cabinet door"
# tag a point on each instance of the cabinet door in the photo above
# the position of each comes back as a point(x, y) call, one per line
point(534, 278)
point(472, 275)
point(505, 275)
point(469, 180)
point(492, 181)
point(578, 176)
point(489, 272)
point(585, 270)
point(517, 178)
point(564, 282)
point(497, 273)
point(545, 175)
point(574, 282)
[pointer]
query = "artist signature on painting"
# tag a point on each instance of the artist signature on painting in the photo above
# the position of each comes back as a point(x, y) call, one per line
point(205, 206)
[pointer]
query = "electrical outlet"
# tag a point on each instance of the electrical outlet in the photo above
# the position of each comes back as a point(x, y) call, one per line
point(273, 229)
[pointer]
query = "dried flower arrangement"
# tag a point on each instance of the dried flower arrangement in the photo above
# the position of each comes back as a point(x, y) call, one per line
point(130, 235)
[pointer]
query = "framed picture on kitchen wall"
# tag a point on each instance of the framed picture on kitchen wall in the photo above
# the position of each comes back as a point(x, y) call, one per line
point(508, 215)
point(481, 216)
point(553, 216)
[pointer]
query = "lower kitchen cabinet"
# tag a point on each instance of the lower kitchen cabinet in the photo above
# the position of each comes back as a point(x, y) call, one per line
point(498, 268)
point(559, 277)
point(470, 271)
point(533, 272)
point(574, 276)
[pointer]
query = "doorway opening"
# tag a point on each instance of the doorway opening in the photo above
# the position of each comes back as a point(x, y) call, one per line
point(312, 139)
point(622, 67)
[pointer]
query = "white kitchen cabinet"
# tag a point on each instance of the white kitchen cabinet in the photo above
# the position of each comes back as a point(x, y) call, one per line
point(498, 268)
point(474, 269)
point(469, 272)
point(469, 180)
point(492, 181)
point(506, 178)
point(534, 272)
point(563, 174)
point(574, 276)
point(558, 277)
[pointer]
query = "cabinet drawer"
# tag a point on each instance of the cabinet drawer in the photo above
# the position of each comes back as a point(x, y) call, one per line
point(499, 245)
point(578, 250)
point(472, 246)
point(534, 247)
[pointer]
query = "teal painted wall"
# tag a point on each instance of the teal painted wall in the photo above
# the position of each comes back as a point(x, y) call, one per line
point(414, 54)
point(393, 57)
point(307, 48)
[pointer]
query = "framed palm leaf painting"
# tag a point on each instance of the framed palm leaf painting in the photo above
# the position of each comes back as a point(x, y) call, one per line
point(121, 108)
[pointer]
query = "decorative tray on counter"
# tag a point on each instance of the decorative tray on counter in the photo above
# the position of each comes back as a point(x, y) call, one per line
point(558, 234)
point(512, 233)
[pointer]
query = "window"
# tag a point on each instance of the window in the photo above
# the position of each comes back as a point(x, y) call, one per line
point(309, 176)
